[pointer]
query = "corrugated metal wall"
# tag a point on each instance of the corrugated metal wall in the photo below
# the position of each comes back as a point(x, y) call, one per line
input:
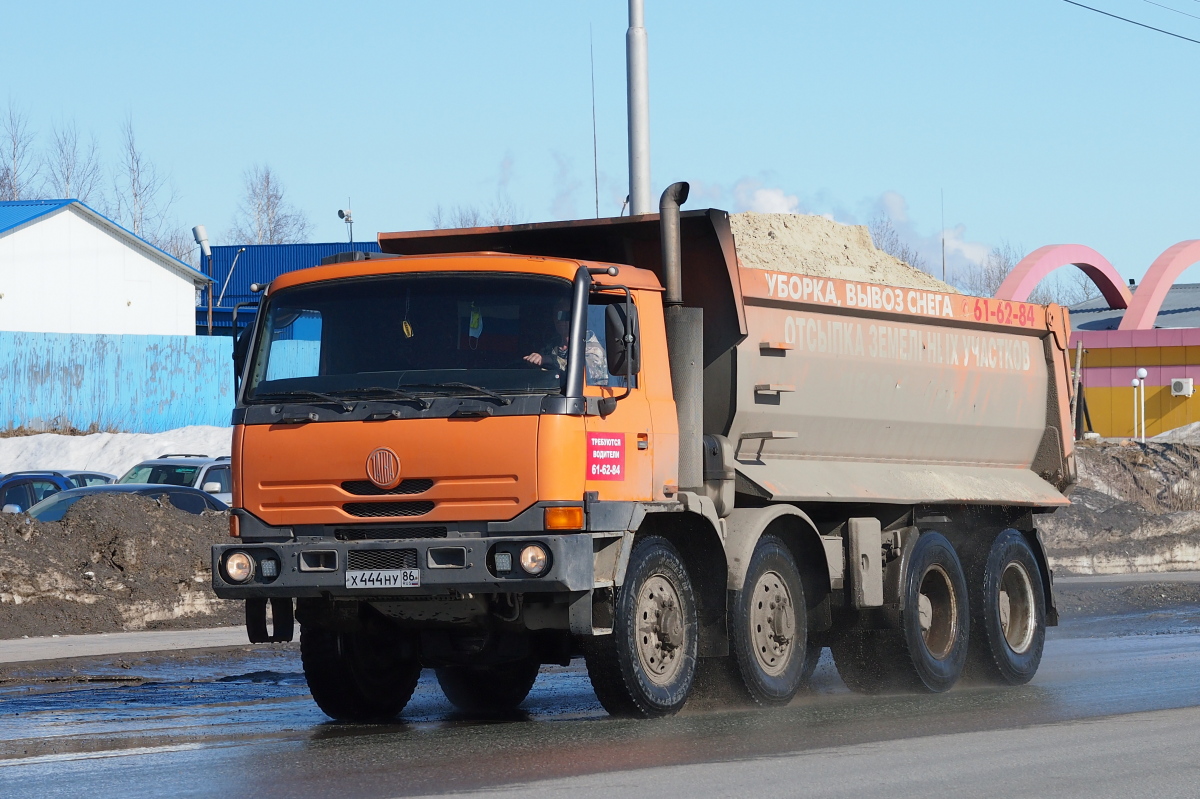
point(262, 263)
point(137, 384)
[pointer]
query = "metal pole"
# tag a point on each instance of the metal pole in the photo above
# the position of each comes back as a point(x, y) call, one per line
point(1075, 384)
point(211, 283)
point(1135, 404)
point(638, 87)
point(1142, 408)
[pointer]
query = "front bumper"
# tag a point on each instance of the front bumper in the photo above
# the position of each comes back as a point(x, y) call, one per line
point(571, 569)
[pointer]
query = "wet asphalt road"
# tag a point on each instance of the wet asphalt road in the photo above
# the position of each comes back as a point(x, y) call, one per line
point(240, 722)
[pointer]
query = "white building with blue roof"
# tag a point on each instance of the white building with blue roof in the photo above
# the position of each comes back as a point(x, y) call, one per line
point(64, 268)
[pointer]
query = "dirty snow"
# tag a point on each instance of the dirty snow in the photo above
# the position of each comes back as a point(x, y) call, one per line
point(114, 453)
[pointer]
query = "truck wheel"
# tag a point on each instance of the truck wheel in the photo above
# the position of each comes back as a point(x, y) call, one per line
point(487, 690)
point(770, 626)
point(357, 677)
point(646, 667)
point(929, 650)
point(1008, 612)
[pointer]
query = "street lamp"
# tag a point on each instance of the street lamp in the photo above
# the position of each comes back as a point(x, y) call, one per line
point(201, 237)
point(1141, 405)
point(233, 266)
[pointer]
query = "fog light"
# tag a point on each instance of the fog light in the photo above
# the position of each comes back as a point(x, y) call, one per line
point(534, 559)
point(503, 561)
point(239, 567)
point(569, 518)
point(270, 567)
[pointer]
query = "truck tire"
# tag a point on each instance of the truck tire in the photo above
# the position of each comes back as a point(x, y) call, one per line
point(488, 690)
point(929, 651)
point(769, 634)
point(355, 676)
point(646, 666)
point(1008, 611)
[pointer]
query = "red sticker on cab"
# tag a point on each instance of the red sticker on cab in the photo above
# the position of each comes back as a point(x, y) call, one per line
point(605, 456)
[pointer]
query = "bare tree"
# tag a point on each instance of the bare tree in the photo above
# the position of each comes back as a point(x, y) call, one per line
point(141, 196)
point(265, 216)
point(19, 166)
point(1065, 287)
point(72, 167)
point(501, 211)
point(885, 238)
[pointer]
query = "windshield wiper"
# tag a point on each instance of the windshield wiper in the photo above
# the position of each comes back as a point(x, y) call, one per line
point(390, 393)
point(346, 405)
point(487, 392)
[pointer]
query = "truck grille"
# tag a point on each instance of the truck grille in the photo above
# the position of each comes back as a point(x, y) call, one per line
point(378, 509)
point(365, 488)
point(372, 533)
point(380, 559)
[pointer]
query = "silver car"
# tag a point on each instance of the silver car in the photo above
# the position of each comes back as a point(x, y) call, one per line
point(210, 475)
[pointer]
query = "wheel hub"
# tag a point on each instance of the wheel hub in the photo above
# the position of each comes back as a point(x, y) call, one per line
point(772, 623)
point(660, 629)
point(1016, 607)
point(937, 610)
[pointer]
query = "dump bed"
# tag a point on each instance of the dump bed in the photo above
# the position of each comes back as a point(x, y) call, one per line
point(837, 391)
point(846, 391)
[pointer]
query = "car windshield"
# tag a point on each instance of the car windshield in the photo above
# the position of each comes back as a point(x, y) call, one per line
point(160, 474)
point(54, 507)
point(445, 333)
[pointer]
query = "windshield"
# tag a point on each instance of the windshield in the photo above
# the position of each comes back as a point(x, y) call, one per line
point(423, 334)
point(161, 475)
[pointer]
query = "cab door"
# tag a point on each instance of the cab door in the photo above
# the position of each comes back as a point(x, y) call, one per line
point(618, 461)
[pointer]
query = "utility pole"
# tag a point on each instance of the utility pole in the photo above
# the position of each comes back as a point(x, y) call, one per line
point(638, 81)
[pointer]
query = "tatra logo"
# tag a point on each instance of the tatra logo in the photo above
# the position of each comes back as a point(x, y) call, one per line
point(383, 467)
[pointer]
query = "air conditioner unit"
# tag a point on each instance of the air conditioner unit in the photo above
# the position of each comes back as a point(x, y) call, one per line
point(1181, 387)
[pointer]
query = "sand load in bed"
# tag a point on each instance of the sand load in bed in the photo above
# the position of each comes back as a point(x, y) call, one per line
point(814, 245)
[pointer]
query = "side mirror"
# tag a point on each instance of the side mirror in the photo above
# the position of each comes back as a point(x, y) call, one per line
point(11, 508)
point(240, 346)
point(211, 487)
point(621, 339)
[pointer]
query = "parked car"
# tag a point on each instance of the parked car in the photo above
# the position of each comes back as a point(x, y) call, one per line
point(210, 475)
point(20, 491)
point(84, 478)
point(54, 507)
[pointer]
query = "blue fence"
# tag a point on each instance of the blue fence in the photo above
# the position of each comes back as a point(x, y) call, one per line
point(136, 384)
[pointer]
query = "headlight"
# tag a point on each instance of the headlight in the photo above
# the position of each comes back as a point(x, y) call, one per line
point(239, 567)
point(534, 559)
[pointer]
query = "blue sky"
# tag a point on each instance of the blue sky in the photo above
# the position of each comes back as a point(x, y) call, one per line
point(1042, 122)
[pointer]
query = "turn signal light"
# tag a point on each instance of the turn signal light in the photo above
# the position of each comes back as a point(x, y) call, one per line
point(234, 530)
point(564, 518)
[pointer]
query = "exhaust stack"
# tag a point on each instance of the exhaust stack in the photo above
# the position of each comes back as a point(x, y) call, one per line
point(638, 95)
point(685, 345)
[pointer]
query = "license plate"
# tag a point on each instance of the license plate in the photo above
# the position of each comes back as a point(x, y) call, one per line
point(384, 578)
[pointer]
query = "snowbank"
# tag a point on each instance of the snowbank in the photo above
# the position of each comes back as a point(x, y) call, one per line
point(109, 452)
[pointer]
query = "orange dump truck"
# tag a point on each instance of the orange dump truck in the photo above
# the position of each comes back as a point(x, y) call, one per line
point(491, 449)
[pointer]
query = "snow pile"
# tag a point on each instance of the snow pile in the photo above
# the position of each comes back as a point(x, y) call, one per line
point(1188, 434)
point(814, 245)
point(109, 452)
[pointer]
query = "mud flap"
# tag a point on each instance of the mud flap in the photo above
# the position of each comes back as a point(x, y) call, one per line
point(283, 627)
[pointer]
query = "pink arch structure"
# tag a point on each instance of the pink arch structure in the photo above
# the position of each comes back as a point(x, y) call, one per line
point(1148, 299)
point(1025, 276)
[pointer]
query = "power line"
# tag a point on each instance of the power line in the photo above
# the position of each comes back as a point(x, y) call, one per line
point(1168, 8)
point(1133, 22)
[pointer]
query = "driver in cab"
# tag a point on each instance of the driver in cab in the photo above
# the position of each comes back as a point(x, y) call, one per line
point(554, 354)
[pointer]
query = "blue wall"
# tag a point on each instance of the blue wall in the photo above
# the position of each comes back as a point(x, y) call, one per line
point(135, 384)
